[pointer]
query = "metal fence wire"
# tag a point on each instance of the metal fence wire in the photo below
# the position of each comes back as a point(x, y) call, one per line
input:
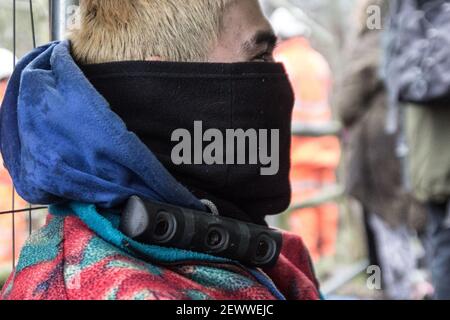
point(30, 208)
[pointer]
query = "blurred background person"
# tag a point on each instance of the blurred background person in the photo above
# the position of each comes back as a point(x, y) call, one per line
point(418, 78)
point(373, 168)
point(314, 160)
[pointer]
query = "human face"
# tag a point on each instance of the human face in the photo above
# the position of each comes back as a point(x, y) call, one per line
point(246, 35)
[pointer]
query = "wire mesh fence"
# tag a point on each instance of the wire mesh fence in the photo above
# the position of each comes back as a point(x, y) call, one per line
point(19, 213)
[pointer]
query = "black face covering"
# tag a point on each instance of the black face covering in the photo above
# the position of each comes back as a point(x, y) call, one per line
point(157, 99)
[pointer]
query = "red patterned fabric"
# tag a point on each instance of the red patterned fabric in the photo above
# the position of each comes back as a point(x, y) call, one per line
point(66, 260)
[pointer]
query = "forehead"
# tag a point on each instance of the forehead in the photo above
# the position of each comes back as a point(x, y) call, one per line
point(243, 20)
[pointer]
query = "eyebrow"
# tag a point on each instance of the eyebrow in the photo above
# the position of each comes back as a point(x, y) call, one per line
point(261, 37)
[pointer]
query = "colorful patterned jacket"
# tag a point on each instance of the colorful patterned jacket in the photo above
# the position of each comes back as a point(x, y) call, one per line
point(66, 259)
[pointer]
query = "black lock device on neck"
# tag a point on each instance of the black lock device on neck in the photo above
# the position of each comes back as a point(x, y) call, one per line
point(171, 226)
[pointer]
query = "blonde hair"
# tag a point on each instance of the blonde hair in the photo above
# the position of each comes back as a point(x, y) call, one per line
point(172, 30)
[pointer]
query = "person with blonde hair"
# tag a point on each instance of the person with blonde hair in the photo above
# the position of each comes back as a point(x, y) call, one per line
point(92, 123)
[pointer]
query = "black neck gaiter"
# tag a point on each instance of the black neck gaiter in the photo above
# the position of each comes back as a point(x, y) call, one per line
point(222, 130)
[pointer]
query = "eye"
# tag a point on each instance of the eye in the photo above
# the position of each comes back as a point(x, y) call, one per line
point(264, 57)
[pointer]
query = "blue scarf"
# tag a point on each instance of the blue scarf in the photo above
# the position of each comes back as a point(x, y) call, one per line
point(61, 142)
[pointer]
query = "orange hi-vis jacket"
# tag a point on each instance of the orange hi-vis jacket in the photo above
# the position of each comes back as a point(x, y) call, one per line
point(311, 79)
point(313, 159)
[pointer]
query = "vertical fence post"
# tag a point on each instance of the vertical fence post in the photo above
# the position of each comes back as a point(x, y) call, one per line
point(57, 19)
